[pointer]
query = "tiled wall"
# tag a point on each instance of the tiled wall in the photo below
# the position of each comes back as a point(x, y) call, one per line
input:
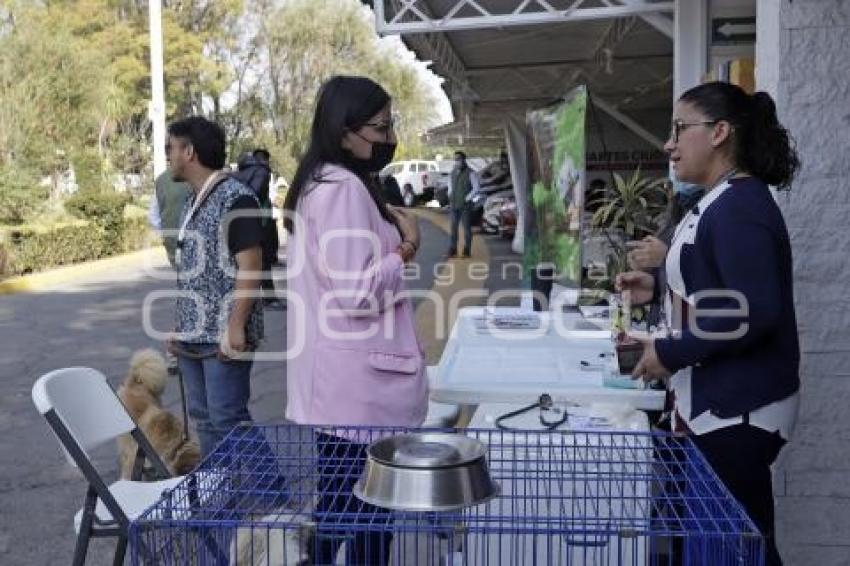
point(804, 61)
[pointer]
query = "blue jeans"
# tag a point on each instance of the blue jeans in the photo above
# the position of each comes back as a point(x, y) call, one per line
point(217, 392)
point(459, 214)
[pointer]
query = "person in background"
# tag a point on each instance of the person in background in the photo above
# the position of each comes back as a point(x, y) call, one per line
point(218, 321)
point(254, 171)
point(648, 254)
point(734, 377)
point(352, 248)
point(164, 215)
point(165, 210)
point(462, 182)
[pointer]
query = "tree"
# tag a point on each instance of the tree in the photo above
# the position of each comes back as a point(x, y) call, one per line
point(75, 84)
point(302, 44)
point(213, 26)
point(49, 92)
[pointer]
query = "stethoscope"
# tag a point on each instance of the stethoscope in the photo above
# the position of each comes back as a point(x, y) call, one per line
point(551, 416)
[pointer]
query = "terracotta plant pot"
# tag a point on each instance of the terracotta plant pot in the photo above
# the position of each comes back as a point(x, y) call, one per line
point(628, 355)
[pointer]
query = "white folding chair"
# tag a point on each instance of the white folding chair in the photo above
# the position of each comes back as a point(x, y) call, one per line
point(84, 412)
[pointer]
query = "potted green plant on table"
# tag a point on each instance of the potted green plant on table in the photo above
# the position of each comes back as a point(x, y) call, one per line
point(629, 210)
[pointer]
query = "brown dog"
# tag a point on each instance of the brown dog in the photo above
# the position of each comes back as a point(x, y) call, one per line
point(141, 394)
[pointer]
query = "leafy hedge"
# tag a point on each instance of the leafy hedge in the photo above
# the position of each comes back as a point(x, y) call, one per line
point(27, 249)
point(105, 209)
point(35, 249)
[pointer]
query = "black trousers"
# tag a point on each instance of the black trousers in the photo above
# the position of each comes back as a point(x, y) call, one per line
point(340, 463)
point(741, 456)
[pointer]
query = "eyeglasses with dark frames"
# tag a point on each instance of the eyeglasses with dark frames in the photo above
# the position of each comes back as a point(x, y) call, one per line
point(677, 126)
point(385, 126)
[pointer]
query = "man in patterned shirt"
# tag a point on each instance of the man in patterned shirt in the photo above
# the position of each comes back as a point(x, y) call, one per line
point(218, 321)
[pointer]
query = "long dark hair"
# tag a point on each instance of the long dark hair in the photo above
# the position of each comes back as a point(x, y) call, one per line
point(344, 104)
point(763, 147)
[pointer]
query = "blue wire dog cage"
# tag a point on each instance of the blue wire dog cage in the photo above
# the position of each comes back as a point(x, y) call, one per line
point(280, 495)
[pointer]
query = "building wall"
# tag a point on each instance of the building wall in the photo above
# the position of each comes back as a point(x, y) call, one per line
point(803, 59)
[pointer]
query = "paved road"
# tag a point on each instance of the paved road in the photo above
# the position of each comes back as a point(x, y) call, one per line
point(97, 322)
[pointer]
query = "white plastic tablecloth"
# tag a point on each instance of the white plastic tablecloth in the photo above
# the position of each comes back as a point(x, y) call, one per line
point(567, 357)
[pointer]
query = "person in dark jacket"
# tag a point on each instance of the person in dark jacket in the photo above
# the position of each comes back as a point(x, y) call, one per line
point(648, 254)
point(731, 357)
point(272, 241)
point(254, 171)
point(462, 182)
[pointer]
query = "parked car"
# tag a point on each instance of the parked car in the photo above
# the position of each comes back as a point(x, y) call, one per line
point(494, 180)
point(508, 218)
point(441, 190)
point(477, 208)
point(412, 177)
point(439, 180)
point(490, 216)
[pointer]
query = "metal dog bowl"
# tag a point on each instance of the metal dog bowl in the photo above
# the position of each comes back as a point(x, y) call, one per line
point(429, 471)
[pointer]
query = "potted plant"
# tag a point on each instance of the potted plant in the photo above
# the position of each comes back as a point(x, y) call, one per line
point(629, 210)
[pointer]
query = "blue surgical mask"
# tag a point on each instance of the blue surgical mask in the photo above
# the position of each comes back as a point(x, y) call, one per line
point(682, 188)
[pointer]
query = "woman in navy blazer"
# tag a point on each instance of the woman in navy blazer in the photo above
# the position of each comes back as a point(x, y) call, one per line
point(730, 355)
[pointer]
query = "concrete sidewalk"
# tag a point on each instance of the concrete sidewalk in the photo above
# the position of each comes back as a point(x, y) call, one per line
point(68, 275)
point(95, 319)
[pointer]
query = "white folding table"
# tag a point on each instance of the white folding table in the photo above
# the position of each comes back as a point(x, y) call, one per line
point(567, 357)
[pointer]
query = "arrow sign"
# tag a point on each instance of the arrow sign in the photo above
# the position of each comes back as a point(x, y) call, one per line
point(729, 30)
point(733, 30)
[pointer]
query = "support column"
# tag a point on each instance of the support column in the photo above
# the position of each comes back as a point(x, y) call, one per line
point(768, 47)
point(690, 45)
point(157, 104)
point(802, 60)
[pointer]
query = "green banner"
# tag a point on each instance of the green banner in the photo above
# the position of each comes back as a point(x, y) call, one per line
point(556, 147)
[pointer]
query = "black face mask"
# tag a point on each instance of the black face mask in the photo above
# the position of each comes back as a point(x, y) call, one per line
point(382, 155)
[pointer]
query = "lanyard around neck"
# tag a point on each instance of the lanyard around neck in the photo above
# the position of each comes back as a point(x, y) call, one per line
point(206, 190)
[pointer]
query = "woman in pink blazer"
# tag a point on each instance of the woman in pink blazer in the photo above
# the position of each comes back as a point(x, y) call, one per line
point(354, 358)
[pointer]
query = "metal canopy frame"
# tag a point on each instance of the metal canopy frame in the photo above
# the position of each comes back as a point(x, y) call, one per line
point(412, 16)
point(428, 34)
point(437, 48)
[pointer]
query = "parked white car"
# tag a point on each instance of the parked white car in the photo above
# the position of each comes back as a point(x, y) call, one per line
point(413, 179)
